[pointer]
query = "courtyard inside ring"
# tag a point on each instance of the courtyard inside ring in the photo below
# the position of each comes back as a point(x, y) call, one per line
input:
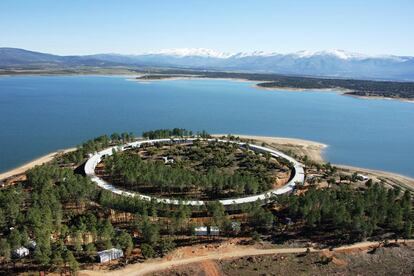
point(297, 175)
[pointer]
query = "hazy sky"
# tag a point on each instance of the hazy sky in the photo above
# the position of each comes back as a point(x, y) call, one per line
point(126, 26)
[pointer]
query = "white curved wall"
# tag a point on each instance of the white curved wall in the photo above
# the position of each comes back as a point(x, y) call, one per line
point(298, 178)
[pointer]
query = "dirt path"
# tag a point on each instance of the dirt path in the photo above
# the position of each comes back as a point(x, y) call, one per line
point(210, 268)
point(236, 252)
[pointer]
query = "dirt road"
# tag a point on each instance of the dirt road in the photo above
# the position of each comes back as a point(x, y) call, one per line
point(236, 252)
point(210, 268)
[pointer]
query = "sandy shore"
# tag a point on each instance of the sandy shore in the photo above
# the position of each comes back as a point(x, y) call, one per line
point(314, 150)
point(190, 77)
point(337, 90)
point(39, 161)
point(394, 178)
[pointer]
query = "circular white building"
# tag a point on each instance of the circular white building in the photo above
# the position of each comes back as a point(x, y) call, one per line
point(297, 176)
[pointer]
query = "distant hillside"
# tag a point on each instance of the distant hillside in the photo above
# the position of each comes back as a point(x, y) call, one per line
point(12, 58)
point(334, 63)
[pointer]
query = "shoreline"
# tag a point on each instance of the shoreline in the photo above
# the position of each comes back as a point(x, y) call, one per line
point(132, 76)
point(190, 77)
point(35, 162)
point(314, 150)
point(396, 178)
point(339, 90)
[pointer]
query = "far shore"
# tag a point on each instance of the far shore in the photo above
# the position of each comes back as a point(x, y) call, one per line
point(314, 150)
point(131, 75)
point(190, 77)
point(337, 90)
point(36, 162)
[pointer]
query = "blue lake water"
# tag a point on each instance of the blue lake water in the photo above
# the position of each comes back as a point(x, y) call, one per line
point(39, 114)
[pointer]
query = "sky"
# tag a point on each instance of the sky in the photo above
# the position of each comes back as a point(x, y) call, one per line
point(133, 27)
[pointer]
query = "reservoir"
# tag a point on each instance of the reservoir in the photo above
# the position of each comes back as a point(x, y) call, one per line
point(40, 114)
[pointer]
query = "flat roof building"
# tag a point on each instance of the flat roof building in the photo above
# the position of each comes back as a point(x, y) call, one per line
point(201, 231)
point(110, 254)
point(214, 231)
point(20, 252)
point(206, 231)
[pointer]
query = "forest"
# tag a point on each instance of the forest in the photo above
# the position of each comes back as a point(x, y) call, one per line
point(175, 132)
point(69, 218)
point(353, 215)
point(214, 169)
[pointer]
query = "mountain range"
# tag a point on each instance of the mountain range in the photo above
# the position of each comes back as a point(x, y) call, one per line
point(331, 63)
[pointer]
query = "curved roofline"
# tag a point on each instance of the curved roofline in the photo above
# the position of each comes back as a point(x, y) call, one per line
point(92, 162)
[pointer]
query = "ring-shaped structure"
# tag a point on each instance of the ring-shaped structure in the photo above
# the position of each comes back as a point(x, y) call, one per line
point(297, 177)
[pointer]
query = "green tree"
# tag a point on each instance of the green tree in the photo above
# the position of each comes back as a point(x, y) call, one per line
point(90, 250)
point(216, 211)
point(166, 245)
point(5, 250)
point(15, 239)
point(150, 232)
point(125, 241)
point(78, 242)
point(57, 261)
point(147, 251)
point(40, 256)
point(24, 237)
point(71, 261)
point(260, 218)
point(106, 230)
point(408, 229)
point(3, 222)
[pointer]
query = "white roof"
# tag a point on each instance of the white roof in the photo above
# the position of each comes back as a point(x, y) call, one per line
point(21, 250)
point(200, 228)
point(298, 174)
point(109, 251)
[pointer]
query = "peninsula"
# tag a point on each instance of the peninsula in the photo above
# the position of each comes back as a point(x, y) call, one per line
point(174, 191)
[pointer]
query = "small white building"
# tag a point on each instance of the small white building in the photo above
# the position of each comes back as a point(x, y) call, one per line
point(110, 254)
point(201, 231)
point(363, 177)
point(206, 231)
point(168, 160)
point(214, 231)
point(20, 252)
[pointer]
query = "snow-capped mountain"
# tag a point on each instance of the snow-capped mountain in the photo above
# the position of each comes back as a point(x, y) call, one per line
point(330, 63)
point(191, 52)
point(203, 52)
